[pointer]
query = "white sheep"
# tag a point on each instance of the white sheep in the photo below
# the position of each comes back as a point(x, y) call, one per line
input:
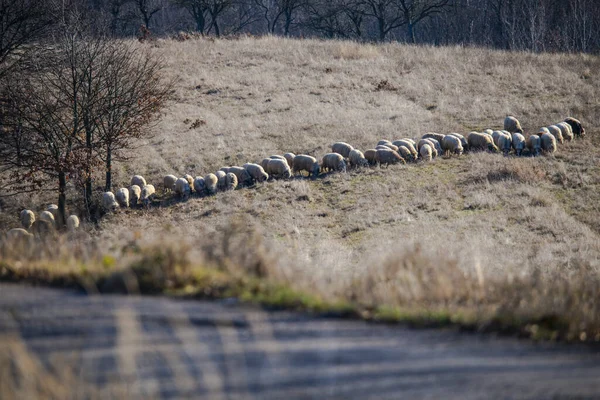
point(48, 217)
point(334, 162)
point(169, 183)
point(482, 141)
point(556, 132)
point(211, 181)
point(426, 152)
point(231, 181)
point(518, 143)
point(451, 145)
point(182, 188)
point(548, 142)
point(390, 146)
point(256, 172)
point(534, 144)
point(243, 177)
point(27, 218)
point(277, 156)
point(189, 179)
point(53, 208)
point(135, 193)
point(567, 131)
point(406, 153)
point(221, 179)
point(147, 195)
point(199, 185)
point(304, 162)
point(388, 156)
point(488, 131)
point(109, 203)
point(289, 157)
point(432, 143)
point(433, 135)
point(72, 223)
point(383, 142)
point(357, 159)
point(138, 180)
point(409, 144)
point(122, 197)
point(463, 141)
point(264, 163)
point(512, 125)
point(504, 144)
point(277, 168)
point(341, 148)
point(371, 156)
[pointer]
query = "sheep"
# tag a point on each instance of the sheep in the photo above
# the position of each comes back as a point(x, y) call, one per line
point(463, 141)
point(496, 135)
point(189, 179)
point(72, 223)
point(135, 193)
point(109, 202)
point(430, 142)
point(504, 144)
point(256, 172)
point(566, 130)
point(481, 141)
point(303, 162)
point(576, 126)
point(264, 163)
point(122, 197)
point(182, 188)
point(388, 157)
point(289, 157)
point(426, 152)
point(409, 144)
point(512, 125)
point(334, 162)
point(488, 131)
point(199, 185)
point(556, 132)
point(27, 218)
point(231, 181)
point(147, 195)
point(43, 228)
point(221, 181)
point(518, 143)
point(48, 217)
point(383, 142)
point(389, 146)
point(138, 180)
point(210, 182)
point(371, 156)
point(432, 135)
point(451, 144)
point(243, 177)
point(277, 168)
point(342, 148)
point(276, 156)
point(357, 159)
point(169, 182)
point(534, 144)
point(18, 235)
point(406, 153)
point(437, 146)
point(548, 143)
point(382, 147)
point(53, 208)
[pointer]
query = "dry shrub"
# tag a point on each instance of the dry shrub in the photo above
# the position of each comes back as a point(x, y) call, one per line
point(355, 51)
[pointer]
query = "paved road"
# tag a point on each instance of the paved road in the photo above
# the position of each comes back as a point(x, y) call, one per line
point(151, 347)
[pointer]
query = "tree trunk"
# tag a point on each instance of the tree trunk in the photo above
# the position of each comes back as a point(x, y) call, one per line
point(200, 24)
point(411, 33)
point(62, 200)
point(108, 185)
point(381, 25)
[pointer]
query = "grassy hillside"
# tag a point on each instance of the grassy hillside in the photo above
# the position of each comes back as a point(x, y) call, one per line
point(460, 232)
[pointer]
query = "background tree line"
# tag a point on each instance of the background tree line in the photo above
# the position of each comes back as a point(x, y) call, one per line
point(533, 25)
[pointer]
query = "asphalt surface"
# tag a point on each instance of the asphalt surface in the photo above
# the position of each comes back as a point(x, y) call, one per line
point(155, 347)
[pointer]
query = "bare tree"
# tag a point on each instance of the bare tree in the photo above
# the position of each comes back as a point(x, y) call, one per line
point(415, 11)
point(274, 11)
point(147, 9)
point(387, 14)
point(198, 10)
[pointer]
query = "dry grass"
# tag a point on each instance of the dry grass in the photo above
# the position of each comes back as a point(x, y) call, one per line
point(489, 238)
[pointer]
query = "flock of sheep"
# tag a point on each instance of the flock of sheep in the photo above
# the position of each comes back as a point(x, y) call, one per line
point(342, 156)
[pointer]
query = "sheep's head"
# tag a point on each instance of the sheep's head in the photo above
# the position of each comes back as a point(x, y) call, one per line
point(492, 148)
point(315, 169)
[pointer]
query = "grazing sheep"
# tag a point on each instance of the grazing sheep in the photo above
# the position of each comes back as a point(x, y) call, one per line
point(371, 156)
point(383, 142)
point(43, 229)
point(53, 208)
point(109, 203)
point(277, 168)
point(231, 181)
point(518, 143)
point(303, 162)
point(556, 132)
point(357, 159)
point(548, 143)
point(18, 235)
point(278, 157)
point(512, 125)
point(138, 180)
point(27, 218)
point(504, 144)
point(488, 131)
point(122, 197)
point(169, 182)
point(451, 144)
point(199, 185)
point(409, 144)
point(390, 146)
point(433, 144)
point(210, 182)
point(334, 162)
point(256, 172)
point(264, 163)
point(426, 152)
point(72, 223)
point(432, 135)
point(388, 157)
point(576, 126)
point(341, 148)
point(221, 181)
point(135, 193)
point(463, 141)
point(382, 147)
point(481, 141)
point(243, 177)
point(437, 146)
point(289, 157)
point(406, 153)
point(182, 188)
point(147, 195)
point(566, 130)
point(534, 144)
point(189, 179)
